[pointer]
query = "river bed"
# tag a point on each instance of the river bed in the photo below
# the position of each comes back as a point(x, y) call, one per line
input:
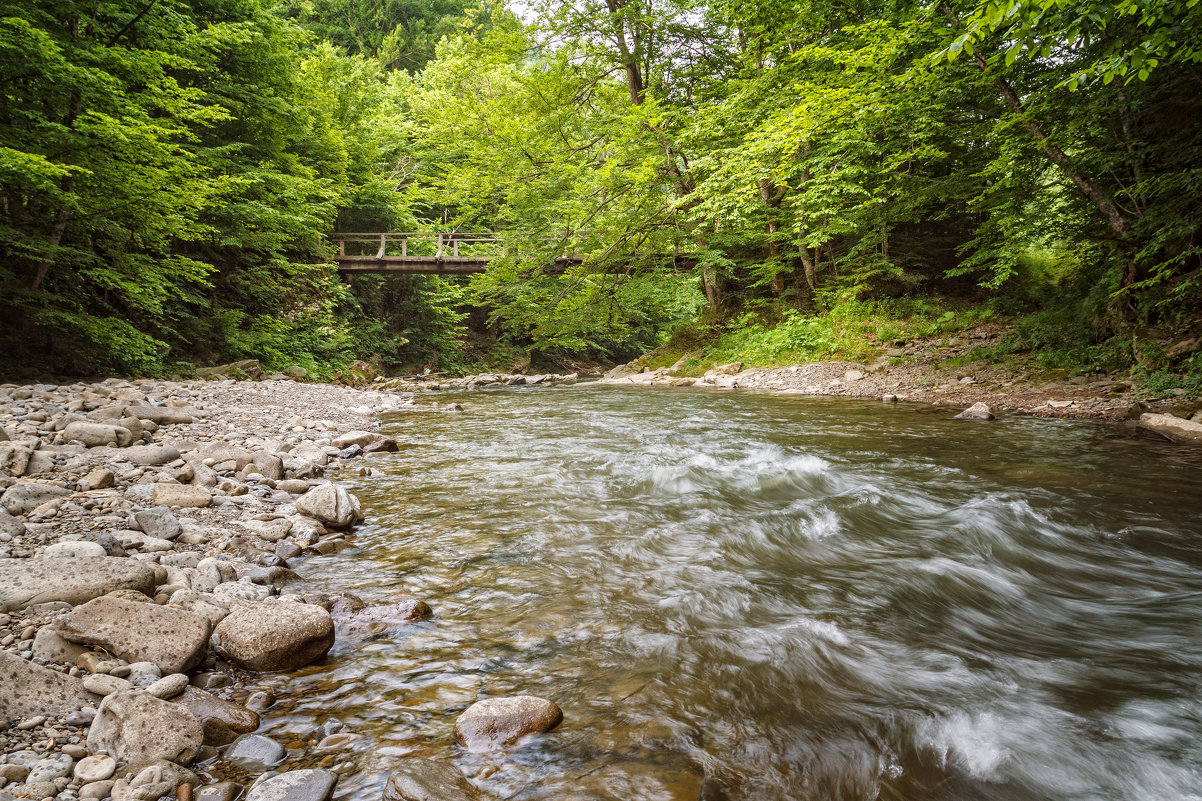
point(747, 596)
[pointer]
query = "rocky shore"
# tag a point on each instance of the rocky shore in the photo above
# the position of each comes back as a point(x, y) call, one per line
point(923, 373)
point(148, 535)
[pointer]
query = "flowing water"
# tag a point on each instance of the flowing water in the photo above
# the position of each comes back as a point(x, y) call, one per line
point(741, 596)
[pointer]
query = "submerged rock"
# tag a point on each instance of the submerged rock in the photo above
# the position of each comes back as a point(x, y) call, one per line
point(255, 753)
point(430, 780)
point(295, 785)
point(497, 722)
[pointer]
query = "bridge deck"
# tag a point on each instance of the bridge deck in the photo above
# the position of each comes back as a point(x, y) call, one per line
point(437, 254)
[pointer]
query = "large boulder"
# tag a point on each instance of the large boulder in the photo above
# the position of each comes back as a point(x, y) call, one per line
point(430, 780)
point(173, 639)
point(497, 722)
point(295, 785)
point(74, 580)
point(133, 725)
point(1177, 429)
point(223, 721)
point(27, 690)
point(95, 435)
point(369, 441)
point(331, 504)
point(274, 635)
point(23, 498)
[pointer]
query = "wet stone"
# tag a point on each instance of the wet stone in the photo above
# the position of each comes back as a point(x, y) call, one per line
point(429, 780)
point(498, 722)
point(296, 785)
point(255, 753)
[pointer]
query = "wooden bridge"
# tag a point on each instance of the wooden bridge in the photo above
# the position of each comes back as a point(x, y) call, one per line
point(440, 253)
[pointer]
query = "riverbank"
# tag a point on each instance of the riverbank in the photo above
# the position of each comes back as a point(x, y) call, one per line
point(942, 372)
point(148, 537)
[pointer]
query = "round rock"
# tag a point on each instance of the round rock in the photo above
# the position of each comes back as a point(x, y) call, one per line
point(497, 722)
point(94, 769)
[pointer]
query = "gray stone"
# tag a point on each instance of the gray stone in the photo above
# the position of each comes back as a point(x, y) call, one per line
point(100, 478)
point(103, 684)
point(978, 411)
point(151, 454)
point(48, 644)
point(75, 581)
point(497, 722)
point(50, 768)
point(39, 790)
point(203, 604)
point(14, 460)
point(181, 495)
point(74, 549)
point(295, 785)
point(1177, 429)
point(169, 686)
point(269, 466)
point(26, 496)
point(369, 441)
point(276, 635)
point(161, 415)
point(331, 504)
point(223, 721)
point(132, 725)
point(10, 525)
point(96, 790)
point(430, 780)
point(173, 639)
point(157, 771)
point(28, 690)
point(95, 435)
point(95, 769)
point(159, 521)
point(255, 753)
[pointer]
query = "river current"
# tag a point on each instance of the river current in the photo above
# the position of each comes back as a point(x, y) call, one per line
point(741, 596)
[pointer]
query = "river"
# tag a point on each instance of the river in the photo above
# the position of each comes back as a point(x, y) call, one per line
point(743, 596)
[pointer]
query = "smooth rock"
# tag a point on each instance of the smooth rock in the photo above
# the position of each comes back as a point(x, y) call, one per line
point(72, 549)
point(169, 686)
point(430, 780)
point(95, 769)
point(295, 785)
point(103, 684)
point(158, 521)
point(276, 635)
point(1178, 429)
point(162, 415)
point(496, 722)
point(369, 441)
point(100, 478)
point(28, 690)
point(95, 435)
point(978, 411)
point(223, 721)
point(173, 639)
point(150, 454)
point(331, 504)
point(49, 645)
point(221, 791)
point(132, 725)
point(96, 790)
point(24, 582)
point(255, 753)
point(23, 497)
point(181, 496)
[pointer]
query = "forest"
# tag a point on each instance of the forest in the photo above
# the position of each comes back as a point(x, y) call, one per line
point(843, 175)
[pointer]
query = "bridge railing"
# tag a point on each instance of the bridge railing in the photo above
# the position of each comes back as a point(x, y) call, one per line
point(422, 245)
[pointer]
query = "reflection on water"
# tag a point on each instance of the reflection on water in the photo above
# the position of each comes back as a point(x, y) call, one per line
point(737, 596)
